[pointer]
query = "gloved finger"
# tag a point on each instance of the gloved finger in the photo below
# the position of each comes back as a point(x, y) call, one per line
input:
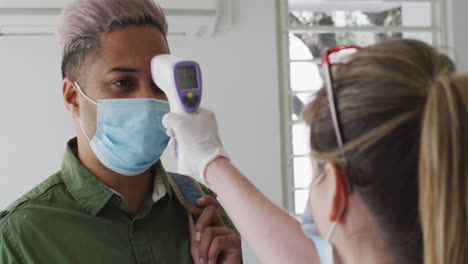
point(173, 147)
point(170, 133)
point(207, 114)
point(184, 168)
point(170, 120)
point(172, 144)
point(204, 110)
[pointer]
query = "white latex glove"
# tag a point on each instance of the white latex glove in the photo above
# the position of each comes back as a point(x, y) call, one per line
point(195, 140)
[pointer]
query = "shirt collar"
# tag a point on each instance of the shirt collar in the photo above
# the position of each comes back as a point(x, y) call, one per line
point(90, 193)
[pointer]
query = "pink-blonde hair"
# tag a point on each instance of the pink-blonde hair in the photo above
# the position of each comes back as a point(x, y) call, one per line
point(82, 21)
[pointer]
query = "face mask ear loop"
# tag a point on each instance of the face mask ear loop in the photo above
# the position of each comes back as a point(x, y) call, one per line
point(92, 101)
point(333, 225)
point(82, 128)
point(318, 180)
point(85, 96)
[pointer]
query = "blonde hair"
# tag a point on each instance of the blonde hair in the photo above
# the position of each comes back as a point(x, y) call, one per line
point(444, 172)
point(399, 104)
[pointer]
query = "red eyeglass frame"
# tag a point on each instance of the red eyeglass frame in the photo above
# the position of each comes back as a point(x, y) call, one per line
point(326, 64)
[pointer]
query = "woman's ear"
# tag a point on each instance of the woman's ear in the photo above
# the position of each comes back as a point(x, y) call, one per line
point(339, 190)
point(70, 96)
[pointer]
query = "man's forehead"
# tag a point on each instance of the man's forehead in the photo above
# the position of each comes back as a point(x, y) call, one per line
point(131, 48)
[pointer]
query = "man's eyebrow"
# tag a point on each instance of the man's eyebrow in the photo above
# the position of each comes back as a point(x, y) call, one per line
point(124, 69)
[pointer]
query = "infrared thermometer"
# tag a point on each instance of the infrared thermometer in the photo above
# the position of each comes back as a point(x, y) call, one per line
point(180, 80)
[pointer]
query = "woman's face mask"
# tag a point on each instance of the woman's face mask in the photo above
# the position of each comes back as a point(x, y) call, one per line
point(323, 245)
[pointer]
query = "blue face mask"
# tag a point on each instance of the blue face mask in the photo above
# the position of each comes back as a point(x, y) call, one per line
point(324, 248)
point(130, 137)
point(323, 245)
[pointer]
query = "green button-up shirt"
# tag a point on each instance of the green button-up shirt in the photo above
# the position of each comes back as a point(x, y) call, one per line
point(72, 217)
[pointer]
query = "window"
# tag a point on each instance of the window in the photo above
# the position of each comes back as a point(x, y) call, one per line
point(307, 29)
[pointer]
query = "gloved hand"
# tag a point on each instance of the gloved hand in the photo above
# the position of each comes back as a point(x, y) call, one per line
point(195, 140)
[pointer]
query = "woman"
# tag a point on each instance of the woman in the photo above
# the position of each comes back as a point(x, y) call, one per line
point(388, 138)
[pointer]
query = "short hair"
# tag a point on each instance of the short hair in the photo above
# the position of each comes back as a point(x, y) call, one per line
point(82, 22)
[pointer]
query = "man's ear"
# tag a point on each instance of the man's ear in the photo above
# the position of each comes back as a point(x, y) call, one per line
point(340, 193)
point(70, 96)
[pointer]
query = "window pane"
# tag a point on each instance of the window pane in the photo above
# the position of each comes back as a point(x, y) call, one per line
point(305, 76)
point(301, 139)
point(298, 50)
point(300, 201)
point(416, 14)
point(319, 43)
point(299, 102)
point(369, 13)
point(422, 36)
point(302, 172)
point(345, 18)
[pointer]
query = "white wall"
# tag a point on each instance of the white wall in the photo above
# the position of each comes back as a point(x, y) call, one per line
point(34, 123)
point(240, 80)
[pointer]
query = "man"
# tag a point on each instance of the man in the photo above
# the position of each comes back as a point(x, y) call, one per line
point(112, 201)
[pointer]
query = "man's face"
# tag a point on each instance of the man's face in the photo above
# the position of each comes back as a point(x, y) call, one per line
point(123, 69)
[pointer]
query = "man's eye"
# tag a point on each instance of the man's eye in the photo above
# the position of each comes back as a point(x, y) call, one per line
point(123, 83)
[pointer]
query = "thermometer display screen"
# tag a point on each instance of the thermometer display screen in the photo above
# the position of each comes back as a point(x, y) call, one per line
point(187, 76)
